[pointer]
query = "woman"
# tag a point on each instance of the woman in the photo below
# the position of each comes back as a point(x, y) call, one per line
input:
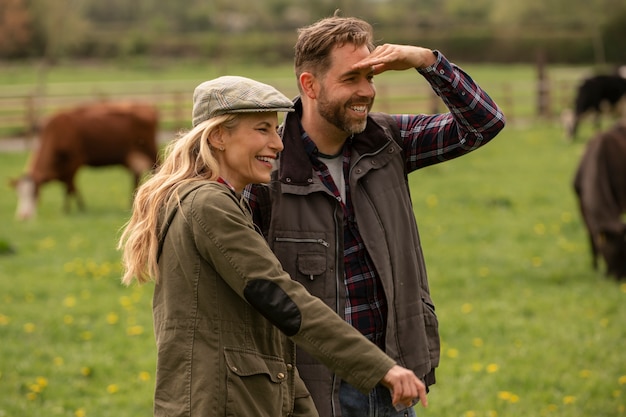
point(222, 303)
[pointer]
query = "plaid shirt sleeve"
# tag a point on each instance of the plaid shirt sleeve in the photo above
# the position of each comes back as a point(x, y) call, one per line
point(474, 118)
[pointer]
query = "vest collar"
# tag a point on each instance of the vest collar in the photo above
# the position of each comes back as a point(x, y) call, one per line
point(295, 165)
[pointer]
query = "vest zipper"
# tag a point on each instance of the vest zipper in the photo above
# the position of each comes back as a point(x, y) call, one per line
point(297, 240)
point(338, 259)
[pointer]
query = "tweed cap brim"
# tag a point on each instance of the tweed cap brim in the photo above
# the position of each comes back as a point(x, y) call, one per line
point(234, 94)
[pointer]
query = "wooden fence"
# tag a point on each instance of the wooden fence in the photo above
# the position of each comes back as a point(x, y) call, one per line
point(522, 102)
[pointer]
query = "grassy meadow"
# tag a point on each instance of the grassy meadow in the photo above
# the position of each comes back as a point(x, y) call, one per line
point(528, 328)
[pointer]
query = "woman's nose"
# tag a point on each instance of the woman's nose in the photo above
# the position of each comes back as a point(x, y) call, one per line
point(276, 142)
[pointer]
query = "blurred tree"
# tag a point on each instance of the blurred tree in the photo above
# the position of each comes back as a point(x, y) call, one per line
point(59, 26)
point(15, 28)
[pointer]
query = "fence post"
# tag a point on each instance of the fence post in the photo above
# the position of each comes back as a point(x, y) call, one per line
point(543, 86)
point(179, 118)
point(30, 121)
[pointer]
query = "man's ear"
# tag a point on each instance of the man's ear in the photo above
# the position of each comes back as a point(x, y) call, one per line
point(309, 84)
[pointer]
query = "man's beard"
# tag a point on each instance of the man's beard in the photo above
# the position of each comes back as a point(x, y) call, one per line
point(335, 114)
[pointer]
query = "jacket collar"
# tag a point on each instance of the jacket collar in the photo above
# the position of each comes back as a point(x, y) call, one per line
point(296, 167)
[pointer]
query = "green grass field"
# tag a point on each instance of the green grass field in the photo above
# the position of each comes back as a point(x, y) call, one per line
point(528, 328)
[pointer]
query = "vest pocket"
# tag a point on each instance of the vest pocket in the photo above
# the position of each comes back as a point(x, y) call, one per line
point(255, 384)
point(311, 265)
point(432, 332)
point(306, 257)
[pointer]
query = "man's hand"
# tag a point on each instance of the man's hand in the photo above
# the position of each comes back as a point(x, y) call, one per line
point(397, 57)
point(405, 386)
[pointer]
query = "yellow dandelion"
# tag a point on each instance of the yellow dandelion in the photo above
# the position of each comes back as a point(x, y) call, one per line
point(470, 413)
point(47, 243)
point(58, 361)
point(569, 399)
point(29, 327)
point(467, 308)
point(478, 342)
point(42, 381)
point(4, 320)
point(69, 301)
point(144, 376)
point(452, 353)
point(585, 373)
point(134, 330)
point(492, 413)
point(112, 318)
point(432, 201)
point(104, 270)
point(80, 412)
point(35, 388)
point(68, 319)
point(552, 407)
point(31, 396)
point(514, 399)
point(622, 380)
point(623, 287)
point(92, 267)
point(504, 395)
point(536, 261)
point(86, 335)
point(136, 295)
point(125, 301)
point(492, 368)
point(85, 371)
point(539, 229)
point(112, 388)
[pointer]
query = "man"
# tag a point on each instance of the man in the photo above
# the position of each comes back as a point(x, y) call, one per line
point(338, 212)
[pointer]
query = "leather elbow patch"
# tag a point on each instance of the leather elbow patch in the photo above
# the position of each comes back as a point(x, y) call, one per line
point(274, 304)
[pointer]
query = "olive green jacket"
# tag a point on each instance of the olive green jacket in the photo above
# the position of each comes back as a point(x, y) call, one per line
point(222, 309)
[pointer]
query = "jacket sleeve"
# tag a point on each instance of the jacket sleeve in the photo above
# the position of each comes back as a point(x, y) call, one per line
point(472, 121)
point(226, 237)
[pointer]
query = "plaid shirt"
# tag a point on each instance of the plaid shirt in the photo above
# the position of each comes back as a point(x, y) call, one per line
point(427, 139)
point(366, 306)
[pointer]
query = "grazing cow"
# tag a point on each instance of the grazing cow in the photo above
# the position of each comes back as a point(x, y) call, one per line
point(98, 134)
point(600, 185)
point(593, 95)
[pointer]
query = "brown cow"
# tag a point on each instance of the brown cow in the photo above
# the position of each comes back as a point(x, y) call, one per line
point(600, 185)
point(95, 135)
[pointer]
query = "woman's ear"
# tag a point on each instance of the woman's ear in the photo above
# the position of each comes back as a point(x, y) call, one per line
point(216, 138)
point(309, 84)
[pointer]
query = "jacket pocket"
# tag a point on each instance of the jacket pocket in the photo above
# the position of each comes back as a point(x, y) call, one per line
point(255, 384)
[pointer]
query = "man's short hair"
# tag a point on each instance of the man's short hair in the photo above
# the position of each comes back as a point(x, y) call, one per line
point(315, 42)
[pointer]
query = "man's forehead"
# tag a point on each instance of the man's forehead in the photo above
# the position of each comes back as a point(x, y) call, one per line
point(345, 56)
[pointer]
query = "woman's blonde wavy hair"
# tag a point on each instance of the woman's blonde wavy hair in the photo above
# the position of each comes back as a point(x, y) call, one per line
point(189, 158)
